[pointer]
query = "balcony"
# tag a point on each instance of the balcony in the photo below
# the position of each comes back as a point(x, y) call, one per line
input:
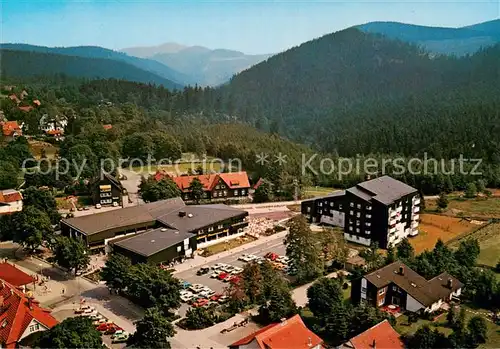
point(416, 201)
point(414, 225)
point(392, 230)
point(392, 213)
point(392, 221)
point(415, 217)
point(399, 209)
point(416, 209)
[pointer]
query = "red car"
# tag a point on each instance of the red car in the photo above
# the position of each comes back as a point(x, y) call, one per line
point(112, 329)
point(222, 276)
point(200, 303)
point(235, 279)
point(104, 327)
point(216, 297)
point(271, 256)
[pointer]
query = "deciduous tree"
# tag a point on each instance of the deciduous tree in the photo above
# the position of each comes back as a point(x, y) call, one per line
point(71, 253)
point(75, 332)
point(152, 331)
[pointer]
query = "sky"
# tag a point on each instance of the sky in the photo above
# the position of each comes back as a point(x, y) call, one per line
point(253, 27)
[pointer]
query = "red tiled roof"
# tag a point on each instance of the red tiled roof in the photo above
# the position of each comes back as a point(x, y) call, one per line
point(54, 132)
point(107, 127)
point(26, 109)
point(14, 276)
point(17, 312)
point(233, 180)
point(8, 196)
point(382, 334)
point(37, 102)
point(290, 334)
point(10, 127)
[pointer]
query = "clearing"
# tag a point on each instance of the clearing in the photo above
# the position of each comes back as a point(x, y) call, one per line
point(479, 208)
point(433, 227)
point(316, 191)
point(38, 146)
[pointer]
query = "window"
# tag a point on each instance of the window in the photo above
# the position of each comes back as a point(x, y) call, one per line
point(358, 206)
point(220, 226)
point(225, 192)
point(320, 204)
point(350, 228)
point(217, 187)
point(34, 327)
point(368, 224)
point(357, 230)
point(352, 204)
point(243, 191)
point(179, 248)
point(320, 211)
point(358, 223)
point(215, 194)
point(331, 204)
point(236, 192)
point(368, 216)
point(358, 214)
point(381, 302)
point(394, 288)
point(350, 221)
point(340, 206)
point(210, 229)
point(368, 208)
point(223, 186)
point(363, 289)
point(381, 291)
point(368, 232)
point(308, 209)
point(351, 212)
point(205, 194)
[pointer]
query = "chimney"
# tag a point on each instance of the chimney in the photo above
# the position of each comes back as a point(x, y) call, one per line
point(401, 270)
point(309, 342)
point(374, 344)
point(450, 283)
point(182, 213)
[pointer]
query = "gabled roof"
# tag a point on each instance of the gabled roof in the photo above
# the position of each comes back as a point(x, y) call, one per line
point(382, 335)
point(424, 291)
point(10, 195)
point(233, 180)
point(290, 334)
point(17, 312)
point(14, 276)
point(10, 127)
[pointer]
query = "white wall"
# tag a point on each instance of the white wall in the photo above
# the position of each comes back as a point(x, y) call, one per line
point(358, 239)
point(27, 332)
point(11, 207)
point(412, 304)
point(337, 219)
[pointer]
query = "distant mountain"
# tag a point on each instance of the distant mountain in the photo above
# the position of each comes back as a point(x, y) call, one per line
point(149, 51)
point(29, 63)
point(99, 52)
point(456, 41)
point(205, 66)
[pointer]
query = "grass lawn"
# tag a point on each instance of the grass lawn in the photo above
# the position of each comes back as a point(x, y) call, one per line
point(480, 207)
point(489, 240)
point(178, 169)
point(63, 204)
point(317, 191)
point(37, 146)
point(226, 245)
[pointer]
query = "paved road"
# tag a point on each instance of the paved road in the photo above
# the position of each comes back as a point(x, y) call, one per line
point(132, 185)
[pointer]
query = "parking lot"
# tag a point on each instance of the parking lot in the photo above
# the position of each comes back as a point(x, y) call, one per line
point(216, 285)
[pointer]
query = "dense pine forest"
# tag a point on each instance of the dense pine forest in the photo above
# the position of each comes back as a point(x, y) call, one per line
point(348, 94)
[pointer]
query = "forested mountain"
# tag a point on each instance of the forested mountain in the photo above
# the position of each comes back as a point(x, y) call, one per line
point(357, 93)
point(456, 41)
point(99, 52)
point(30, 63)
point(205, 66)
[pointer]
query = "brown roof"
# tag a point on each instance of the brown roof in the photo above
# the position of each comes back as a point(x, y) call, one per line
point(10, 195)
point(382, 335)
point(290, 334)
point(234, 180)
point(10, 127)
point(424, 291)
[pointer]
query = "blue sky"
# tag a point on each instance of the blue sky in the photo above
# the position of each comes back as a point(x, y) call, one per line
point(249, 26)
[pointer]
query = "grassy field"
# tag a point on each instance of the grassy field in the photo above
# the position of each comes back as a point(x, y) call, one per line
point(433, 227)
point(37, 146)
point(480, 207)
point(225, 245)
point(317, 191)
point(180, 168)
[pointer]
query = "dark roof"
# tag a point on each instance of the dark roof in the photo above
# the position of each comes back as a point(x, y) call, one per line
point(424, 291)
point(142, 214)
point(386, 189)
point(113, 180)
point(360, 193)
point(153, 241)
point(331, 195)
point(199, 216)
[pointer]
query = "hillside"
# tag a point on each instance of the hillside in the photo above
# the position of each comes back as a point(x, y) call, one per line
point(150, 65)
point(204, 66)
point(358, 93)
point(29, 63)
point(456, 41)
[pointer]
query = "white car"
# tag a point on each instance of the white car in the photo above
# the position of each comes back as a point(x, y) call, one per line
point(197, 288)
point(246, 258)
point(206, 293)
point(283, 259)
point(237, 270)
point(186, 297)
point(219, 266)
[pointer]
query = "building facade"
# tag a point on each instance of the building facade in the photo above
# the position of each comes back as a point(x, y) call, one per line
point(397, 284)
point(381, 210)
point(11, 201)
point(108, 191)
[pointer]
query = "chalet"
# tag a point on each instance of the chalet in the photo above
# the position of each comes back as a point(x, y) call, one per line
point(382, 335)
point(11, 130)
point(382, 210)
point(53, 125)
point(291, 333)
point(108, 191)
point(398, 285)
point(11, 201)
point(216, 187)
point(20, 316)
point(159, 231)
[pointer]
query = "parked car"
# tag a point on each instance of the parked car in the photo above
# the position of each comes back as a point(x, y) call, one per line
point(206, 293)
point(86, 208)
point(117, 333)
point(222, 276)
point(271, 256)
point(234, 279)
point(200, 303)
point(237, 270)
point(113, 330)
point(196, 288)
point(215, 274)
point(216, 297)
point(246, 258)
point(104, 327)
point(203, 271)
point(223, 299)
point(121, 338)
point(185, 284)
point(186, 296)
point(98, 206)
point(283, 259)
